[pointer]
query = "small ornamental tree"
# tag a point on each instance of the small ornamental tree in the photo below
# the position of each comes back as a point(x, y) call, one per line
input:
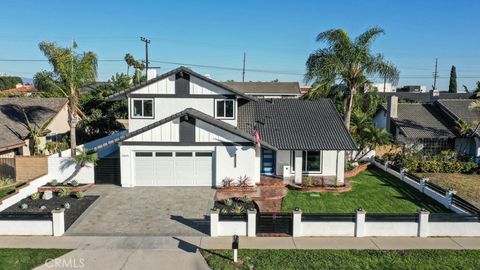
point(452, 87)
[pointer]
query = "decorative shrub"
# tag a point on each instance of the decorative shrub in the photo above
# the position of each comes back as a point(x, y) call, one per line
point(224, 211)
point(243, 181)
point(5, 181)
point(24, 206)
point(247, 198)
point(63, 192)
point(227, 182)
point(319, 183)
point(35, 196)
point(308, 182)
point(74, 183)
point(238, 209)
point(66, 205)
point(446, 162)
point(228, 202)
point(79, 195)
point(54, 182)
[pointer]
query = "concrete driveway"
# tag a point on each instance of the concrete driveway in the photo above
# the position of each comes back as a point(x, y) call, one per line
point(146, 211)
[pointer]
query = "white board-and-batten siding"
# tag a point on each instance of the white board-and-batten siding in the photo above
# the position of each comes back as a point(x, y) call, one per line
point(169, 132)
point(164, 86)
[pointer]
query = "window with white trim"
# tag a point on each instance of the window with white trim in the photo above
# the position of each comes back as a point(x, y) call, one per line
point(311, 161)
point(225, 108)
point(142, 108)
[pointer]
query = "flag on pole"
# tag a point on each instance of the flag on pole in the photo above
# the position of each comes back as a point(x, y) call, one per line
point(256, 134)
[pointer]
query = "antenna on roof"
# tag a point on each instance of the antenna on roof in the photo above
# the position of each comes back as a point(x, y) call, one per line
point(243, 70)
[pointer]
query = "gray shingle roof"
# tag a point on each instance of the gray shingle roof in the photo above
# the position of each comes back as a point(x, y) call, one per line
point(295, 124)
point(123, 94)
point(421, 121)
point(425, 97)
point(292, 88)
point(12, 120)
point(192, 113)
point(459, 110)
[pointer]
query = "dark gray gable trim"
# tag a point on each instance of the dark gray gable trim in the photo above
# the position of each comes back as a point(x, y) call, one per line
point(123, 94)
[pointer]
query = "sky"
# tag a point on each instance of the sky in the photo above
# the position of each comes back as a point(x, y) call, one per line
point(211, 36)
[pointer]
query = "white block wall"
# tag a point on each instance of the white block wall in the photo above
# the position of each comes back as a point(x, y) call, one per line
point(229, 228)
point(391, 229)
point(26, 227)
point(25, 191)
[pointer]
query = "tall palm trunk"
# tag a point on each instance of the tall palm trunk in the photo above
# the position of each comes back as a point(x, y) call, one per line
point(72, 122)
point(348, 109)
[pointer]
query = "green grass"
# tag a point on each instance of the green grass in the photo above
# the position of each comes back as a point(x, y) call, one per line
point(344, 259)
point(25, 258)
point(5, 191)
point(374, 190)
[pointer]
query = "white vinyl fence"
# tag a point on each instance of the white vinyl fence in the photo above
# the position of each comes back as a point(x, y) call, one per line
point(465, 221)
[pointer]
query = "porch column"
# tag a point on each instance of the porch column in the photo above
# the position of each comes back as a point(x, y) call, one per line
point(258, 165)
point(298, 166)
point(340, 167)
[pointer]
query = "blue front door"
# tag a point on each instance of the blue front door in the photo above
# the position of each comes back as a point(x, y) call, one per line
point(268, 161)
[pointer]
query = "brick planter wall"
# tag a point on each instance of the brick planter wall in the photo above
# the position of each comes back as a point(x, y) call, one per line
point(356, 171)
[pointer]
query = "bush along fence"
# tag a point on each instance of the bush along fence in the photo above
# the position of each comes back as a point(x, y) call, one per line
point(52, 224)
point(441, 195)
point(359, 224)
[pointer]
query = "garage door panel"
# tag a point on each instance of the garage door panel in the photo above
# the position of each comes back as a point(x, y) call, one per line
point(174, 169)
point(144, 174)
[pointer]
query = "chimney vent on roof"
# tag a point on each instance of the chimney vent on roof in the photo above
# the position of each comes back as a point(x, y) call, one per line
point(434, 95)
point(151, 74)
point(392, 111)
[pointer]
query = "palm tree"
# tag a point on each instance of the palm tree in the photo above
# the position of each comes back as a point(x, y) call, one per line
point(71, 71)
point(348, 62)
point(35, 132)
point(130, 60)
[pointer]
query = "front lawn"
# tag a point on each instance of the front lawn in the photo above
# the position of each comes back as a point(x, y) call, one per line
point(25, 258)
point(466, 185)
point(344, 259)
point(374, 190)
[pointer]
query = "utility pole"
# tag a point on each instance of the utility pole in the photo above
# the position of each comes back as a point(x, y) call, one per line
point(435, 75)
point(147, 41)
point(243, 70)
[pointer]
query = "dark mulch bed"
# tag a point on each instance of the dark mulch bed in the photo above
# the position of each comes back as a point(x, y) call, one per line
point(77, 206)
point(238, 206)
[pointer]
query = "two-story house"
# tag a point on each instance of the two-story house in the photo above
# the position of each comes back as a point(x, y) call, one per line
point(186, 129)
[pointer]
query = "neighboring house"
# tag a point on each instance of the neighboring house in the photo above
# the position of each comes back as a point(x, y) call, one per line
point(188, 130)
point(425, 96)
point(384, 87)
point(15, 138)
point(263, 90)
point(21, 90)
point(430, 127)
point(459, 111)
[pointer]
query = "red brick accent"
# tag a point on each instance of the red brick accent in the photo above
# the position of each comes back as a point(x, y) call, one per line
point(72, 189)
point(356, 171)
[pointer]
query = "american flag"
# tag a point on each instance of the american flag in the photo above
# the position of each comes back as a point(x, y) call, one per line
point(256, 134)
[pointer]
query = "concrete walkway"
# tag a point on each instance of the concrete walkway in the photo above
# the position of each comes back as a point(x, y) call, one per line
point(182, 252)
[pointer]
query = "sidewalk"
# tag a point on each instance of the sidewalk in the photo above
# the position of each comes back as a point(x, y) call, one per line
point(182, 252)
point(192, 243)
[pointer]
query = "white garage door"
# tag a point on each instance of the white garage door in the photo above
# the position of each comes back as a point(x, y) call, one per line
point(179, 168)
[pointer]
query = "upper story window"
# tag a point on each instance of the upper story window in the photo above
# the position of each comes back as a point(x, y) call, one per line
point(224, 108)
point(142, 108)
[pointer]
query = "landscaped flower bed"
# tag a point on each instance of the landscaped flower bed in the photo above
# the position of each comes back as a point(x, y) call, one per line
point(353, 172)
point(320, 184)
point(74, 205)
point(241, 184)
point(235, 205)
point(72, 186)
